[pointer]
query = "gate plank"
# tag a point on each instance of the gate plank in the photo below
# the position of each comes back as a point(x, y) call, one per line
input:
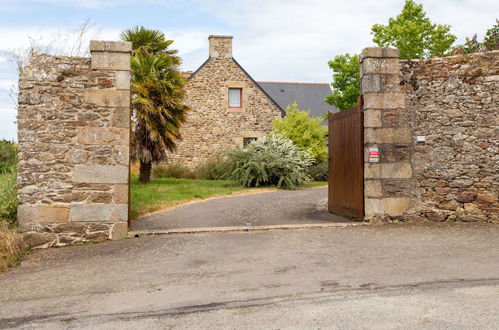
point(346, 163)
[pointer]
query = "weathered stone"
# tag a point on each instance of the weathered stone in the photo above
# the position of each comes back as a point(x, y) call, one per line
point(120, 117)
point(110, 61)
point(372, 188)
point(99, 212)
point(384, 100)
point(96, 237)
point(100, 197)
point(123, 80)
point(377, 66)
point(468, 218)
point(378, 52)
point(466, 197)
point(121, 194)
point(396, 206)
point(103, 135)
point(69, 227)
point(68, 153)
point(372, 118)
point(34, 239)
point(107, 98)
point(399, 170)
point(119, 231)
point(100, 174)
point(486, 198)
point(27, 214)
point(372, 171)
point(387, 135)
point(434, 216)
point(110, 46)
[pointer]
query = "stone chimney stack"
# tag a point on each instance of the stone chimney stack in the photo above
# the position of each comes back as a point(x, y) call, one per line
point(220, 46)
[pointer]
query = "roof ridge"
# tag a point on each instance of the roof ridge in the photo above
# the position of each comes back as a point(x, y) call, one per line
point(291, 83)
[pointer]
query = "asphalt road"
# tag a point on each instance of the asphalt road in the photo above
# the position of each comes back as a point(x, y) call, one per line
point(290, 207)
point(392, 276)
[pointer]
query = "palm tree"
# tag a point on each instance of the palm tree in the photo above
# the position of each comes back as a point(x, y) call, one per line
point(157, 89)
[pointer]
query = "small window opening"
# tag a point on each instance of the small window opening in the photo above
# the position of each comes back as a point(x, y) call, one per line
point(235, 97)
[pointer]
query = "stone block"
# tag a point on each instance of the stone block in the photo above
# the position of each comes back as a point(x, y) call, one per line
point(110, 61)
point(387, 135)
point(378, 52)
point(384, 100)
point(372, 171)
point(100, 174)
point(120, 117)
point(399, 170)
point(372, 118)
point(375, 83)
point(380, 66)
point(103, 135)
point(119, 231)
point(99, 212)
point(110, 46)
point(373, 207)
point(372, 188)
point(40, 240)
point(122, 80)
point(108, 98)
point(31, 214)
point(396, 206)
point(121, 194)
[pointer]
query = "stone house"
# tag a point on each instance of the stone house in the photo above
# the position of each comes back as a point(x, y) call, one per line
point(229, 108)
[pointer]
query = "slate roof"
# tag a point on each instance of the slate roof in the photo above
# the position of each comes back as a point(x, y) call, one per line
point(308, 96)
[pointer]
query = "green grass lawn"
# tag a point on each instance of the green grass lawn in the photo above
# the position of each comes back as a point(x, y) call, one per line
point(165, 192)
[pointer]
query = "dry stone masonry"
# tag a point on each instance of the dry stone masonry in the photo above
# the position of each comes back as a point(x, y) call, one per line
point(211, 125)
point(435, 122)
point(74, 125)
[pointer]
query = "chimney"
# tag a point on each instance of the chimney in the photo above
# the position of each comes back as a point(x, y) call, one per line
point(220, 46)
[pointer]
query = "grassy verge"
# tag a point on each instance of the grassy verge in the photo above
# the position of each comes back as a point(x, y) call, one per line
point(12, 247)
point(164, 192)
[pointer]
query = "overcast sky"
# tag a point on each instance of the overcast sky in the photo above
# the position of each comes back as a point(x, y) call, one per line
point(274, 40)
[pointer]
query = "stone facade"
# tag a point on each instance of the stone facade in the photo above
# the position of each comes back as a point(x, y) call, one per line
point(435, 123)
point(73, 133)
point(211, 124)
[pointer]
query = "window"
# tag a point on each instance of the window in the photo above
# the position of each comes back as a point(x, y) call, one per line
point(235, 97)
point(248, 140)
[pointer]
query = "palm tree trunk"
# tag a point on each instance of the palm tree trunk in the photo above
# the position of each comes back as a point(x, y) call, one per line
point(145, 172)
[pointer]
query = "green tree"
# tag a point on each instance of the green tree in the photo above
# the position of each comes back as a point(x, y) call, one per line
point(157, 89)
point(306, 133)
point(346, 81)
point(414, 34)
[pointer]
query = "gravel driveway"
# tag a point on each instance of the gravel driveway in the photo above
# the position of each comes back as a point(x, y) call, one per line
point(304, 206)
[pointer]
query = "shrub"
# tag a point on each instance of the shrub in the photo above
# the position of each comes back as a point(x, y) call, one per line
point(319, 172)
point(218, 167)
point(8, 197)
point(306, 132)
point(272, 160)
point(12, 247)
point(8, 156)
point(173, 171)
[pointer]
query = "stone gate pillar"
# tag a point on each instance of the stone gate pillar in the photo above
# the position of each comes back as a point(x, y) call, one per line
point(73, 133)
point(387, 182)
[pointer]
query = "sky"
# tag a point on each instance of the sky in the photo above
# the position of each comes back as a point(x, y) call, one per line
point(274, 40)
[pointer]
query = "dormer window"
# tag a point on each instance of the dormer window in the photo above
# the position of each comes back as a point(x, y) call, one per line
point(235, 97)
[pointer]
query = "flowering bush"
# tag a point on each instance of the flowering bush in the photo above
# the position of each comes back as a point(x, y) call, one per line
point(271, 160)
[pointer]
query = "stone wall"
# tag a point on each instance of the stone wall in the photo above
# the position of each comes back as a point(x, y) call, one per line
point(435, 123)
point(211, 125)
point(73, 133)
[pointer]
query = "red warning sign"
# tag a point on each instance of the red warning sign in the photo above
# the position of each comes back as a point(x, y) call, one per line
point(373, 155)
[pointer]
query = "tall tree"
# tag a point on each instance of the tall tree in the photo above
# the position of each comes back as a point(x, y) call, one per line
point(157, 89)
point(346, 81)
point(414, 34)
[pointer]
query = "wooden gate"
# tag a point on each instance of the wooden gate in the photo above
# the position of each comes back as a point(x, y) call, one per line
point(346, 163)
